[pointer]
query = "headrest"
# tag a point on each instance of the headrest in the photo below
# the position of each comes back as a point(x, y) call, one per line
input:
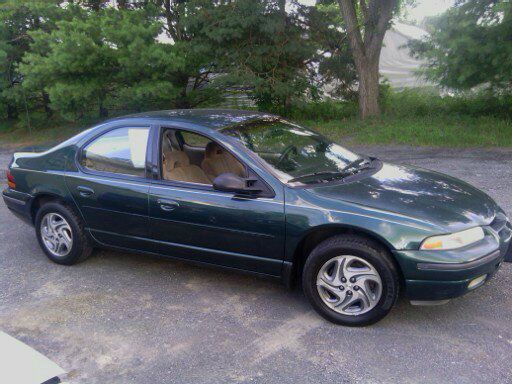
point(213, 149)
point(166, 149)
point(176, 159)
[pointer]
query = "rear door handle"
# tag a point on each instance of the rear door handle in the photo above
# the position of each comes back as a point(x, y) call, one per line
point(167, 205)
point(85, 191)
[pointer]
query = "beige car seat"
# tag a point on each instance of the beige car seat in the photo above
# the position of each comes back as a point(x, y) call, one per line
point(217, 160)
point(177, 167)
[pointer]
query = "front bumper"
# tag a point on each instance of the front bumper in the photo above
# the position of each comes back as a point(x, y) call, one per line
point(453, 282)
point(441, 275)
point(18, 203)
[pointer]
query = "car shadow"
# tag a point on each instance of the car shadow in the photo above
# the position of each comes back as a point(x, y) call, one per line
point(215, 283)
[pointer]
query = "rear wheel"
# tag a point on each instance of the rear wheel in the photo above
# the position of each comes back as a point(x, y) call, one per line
point(61, 234)
point(350, 280)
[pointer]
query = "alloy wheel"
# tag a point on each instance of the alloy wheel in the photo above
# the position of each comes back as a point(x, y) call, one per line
point(349, 285)
point(56, 234)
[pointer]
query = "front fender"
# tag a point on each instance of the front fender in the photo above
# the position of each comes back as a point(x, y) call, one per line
point(304, 213)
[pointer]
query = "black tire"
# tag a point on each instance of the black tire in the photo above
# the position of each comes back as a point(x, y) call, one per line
point(366, 249)
point(81, 247)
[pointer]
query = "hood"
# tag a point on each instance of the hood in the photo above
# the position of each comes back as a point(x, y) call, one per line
point(419, 193)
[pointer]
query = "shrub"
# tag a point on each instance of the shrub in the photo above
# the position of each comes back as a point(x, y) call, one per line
point(320, 110)
point(428, 102)
point(412, 102)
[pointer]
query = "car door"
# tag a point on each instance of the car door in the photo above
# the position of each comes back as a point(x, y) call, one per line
point(196, 222)
point(110, 186)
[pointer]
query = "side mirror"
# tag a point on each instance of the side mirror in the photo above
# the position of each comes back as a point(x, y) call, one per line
point(229, 182)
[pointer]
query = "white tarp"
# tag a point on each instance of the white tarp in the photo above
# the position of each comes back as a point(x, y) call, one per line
point(395, 62)
point(20, 364)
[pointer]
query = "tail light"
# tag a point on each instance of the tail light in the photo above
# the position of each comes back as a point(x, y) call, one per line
point(10, 180)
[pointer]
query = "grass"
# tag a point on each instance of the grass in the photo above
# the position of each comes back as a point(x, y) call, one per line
point(411, 117)
point(433, 131)
point(17, 134)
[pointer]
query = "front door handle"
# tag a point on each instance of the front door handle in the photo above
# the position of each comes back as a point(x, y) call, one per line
point(167, 205)
point(85, 191)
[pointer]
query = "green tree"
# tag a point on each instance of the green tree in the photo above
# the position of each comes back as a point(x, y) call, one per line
point(93, 5)
point(469, 45)
point(333, 61)
point(196, 73)
point(259, 44)
point(18, 18)
point(101, 59)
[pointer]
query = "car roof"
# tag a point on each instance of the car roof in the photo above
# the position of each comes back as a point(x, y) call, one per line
point(209, 118)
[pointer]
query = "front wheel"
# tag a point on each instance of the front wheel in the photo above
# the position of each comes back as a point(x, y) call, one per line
point(61, 234)
point(350, 280)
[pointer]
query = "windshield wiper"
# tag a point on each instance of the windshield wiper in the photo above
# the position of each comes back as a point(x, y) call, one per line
point(348, 170)
point(358, 163)
point(308, 175)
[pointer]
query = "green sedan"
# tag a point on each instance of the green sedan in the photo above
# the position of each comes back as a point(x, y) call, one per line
point(253, 192)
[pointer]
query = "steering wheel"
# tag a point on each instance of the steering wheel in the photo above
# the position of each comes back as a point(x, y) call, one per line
point(286, 153)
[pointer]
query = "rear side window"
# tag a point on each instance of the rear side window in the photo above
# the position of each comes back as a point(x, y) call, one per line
point(121, 151)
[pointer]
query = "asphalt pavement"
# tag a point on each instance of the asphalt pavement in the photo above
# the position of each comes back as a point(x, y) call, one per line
point(129, 318)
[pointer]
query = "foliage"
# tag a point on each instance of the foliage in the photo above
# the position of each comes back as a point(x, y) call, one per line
point(78, 56)
point(334, 63)
point(83, 59)
point(194, 78)
point(19, 17)
point(434, 131)
point(469, 45)
point(258, 45)
point(102, 57)
point(326, 110)
point(427, 102)
point(411, 117)
point(412, 102)
point(417, 117)
point(87, 56)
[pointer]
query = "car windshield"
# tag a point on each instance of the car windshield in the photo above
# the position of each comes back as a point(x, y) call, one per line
point(294, 154)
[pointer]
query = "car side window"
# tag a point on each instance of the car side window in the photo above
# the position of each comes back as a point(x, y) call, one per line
point(121, 151)
point(200, 162)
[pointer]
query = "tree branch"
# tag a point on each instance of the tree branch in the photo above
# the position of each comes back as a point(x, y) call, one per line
point(348, 11)
point(381, 13)
point(364, 9)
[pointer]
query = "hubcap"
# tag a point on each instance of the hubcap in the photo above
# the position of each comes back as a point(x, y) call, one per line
point(56, 234)
point(349, 285)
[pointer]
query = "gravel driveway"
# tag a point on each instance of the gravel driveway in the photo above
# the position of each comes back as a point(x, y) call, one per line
point(125, 318)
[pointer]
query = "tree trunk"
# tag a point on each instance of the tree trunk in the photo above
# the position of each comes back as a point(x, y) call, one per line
point(12, 112)
point(182, 100)
point(287, 103)
point(95, 5)
point(103, 112)
point(369, 89)
point(171, 13)
point(374, 20)
point(46, 104)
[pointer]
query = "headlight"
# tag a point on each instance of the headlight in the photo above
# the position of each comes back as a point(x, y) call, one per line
point(453, 240)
